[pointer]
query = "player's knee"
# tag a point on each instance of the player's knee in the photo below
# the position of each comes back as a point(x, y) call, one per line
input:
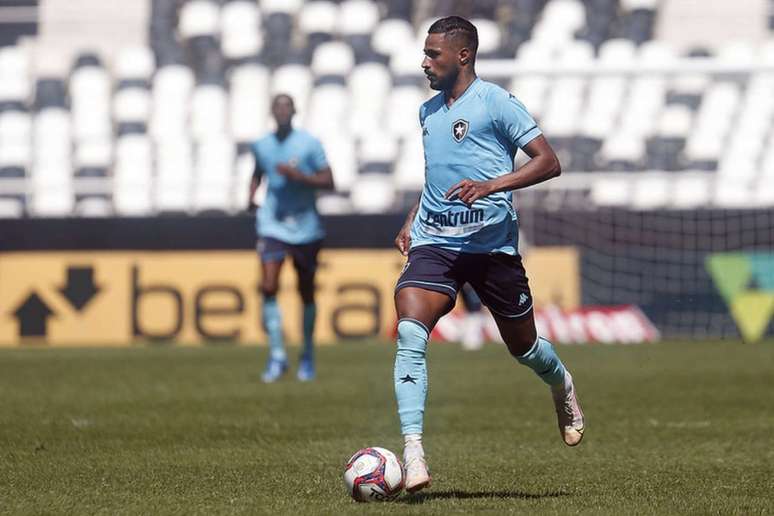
point(519, 345)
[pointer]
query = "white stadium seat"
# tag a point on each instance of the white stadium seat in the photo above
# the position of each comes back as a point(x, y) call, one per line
point(532, 91)
point(131, 105)
point(675, 121)
point(133, 175)
point(402, 110)
point(52, 134)
point(333, 58)
point(358, 17)
point(410, 167)
point(342, 159)
point(651, 192)
point(249, 102)
point(296, 81)
point(373, 193)
point(290, 7)
point(631, 5)
point(392, 36)
point(134, 63)
point(199, 18)
point(52, 189)
point(15, 72)
point(94, 153)
point(691, 191)
point(208, 111)
point(90, 92)
point(328, 108)
point(612, 191)
point(318, 17)
point(244, 167)
point(15, 127)
point(378, 147)
point(623, 147)
point(617, 51)
point(17, 154)
point(11, 208)
point(214, 167)
point(369, 86)
point(174, 176)
point(489, 37)
point(240, 28)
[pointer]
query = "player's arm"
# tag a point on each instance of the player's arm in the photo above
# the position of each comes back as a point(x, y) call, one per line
point(403, 240)
point(322, 179)
point(255, 180)
point(542, 166)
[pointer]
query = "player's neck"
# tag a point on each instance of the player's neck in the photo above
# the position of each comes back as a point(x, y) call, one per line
point(460, 87)
point(283, 132)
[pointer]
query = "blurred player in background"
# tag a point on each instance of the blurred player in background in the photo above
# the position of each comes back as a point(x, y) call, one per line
point(294, 165)
point(472, 334)
point(464, 229)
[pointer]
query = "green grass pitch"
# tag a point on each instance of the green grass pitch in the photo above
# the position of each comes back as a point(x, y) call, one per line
point(672, 428)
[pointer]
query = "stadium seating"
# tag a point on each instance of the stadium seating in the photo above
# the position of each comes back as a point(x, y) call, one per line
point(165, 127)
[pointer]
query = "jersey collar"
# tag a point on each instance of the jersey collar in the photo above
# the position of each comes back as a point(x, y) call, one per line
point(471, 87)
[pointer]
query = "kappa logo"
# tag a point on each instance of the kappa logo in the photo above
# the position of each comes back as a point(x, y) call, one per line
point(459, 130)
point(523, 298)
point(425, 132)
point(405, 267)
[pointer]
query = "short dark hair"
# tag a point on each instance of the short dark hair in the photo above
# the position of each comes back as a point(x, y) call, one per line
point(456, 26)
point(283, 95)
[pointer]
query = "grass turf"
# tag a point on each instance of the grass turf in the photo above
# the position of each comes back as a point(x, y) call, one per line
point(673, 428)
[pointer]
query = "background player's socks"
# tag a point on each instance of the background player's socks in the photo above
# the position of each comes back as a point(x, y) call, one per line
point(543, 360)
point(410, 375)
point(310, 314)
point(272, 323)
point(473, 331)
point(306, 370)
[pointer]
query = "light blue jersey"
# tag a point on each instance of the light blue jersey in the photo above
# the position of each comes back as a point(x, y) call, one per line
point(476, 138)
point(289, 212)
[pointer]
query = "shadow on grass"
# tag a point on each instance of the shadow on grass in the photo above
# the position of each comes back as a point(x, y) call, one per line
point(420, 498)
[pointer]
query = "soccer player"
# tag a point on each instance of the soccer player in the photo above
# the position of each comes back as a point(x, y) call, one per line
point(464, 229)
point(294, 165)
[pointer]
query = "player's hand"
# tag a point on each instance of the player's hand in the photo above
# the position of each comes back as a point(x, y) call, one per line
point(403, 240)
point(469, 191)
point(290, 172)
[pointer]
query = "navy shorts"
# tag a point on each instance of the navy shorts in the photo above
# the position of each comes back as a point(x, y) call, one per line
point(304, 255)
point(499, 279)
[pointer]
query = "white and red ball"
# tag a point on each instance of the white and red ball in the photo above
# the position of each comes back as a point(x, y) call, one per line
point(374, 475)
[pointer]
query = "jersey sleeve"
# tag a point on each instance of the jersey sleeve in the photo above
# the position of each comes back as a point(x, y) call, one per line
point(319, 160)
point(513, 119)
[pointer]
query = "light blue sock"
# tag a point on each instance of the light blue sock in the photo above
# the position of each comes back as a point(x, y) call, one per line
point(543, 360)
point(411, 375)
point(272, 323)
point(310, 314)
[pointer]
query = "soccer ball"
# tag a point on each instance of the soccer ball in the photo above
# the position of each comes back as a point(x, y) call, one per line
point(374, 475)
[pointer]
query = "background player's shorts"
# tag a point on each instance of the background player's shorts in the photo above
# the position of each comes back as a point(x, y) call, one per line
point(499, 279)
point(304, 255)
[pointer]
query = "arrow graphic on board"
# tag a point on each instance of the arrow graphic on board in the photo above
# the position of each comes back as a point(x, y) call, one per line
point(80, 287)
point(32, 315)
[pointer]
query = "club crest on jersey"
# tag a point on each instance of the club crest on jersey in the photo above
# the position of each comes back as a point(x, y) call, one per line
point(459, 130)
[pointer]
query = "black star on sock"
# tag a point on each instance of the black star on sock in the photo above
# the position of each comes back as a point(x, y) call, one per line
point(407, 379)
